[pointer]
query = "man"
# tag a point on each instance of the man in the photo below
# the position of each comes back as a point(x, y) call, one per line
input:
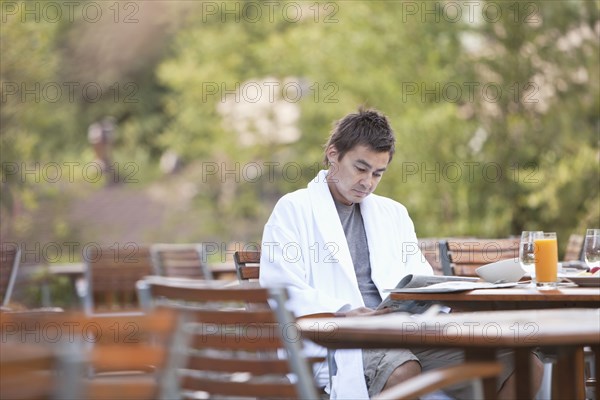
point(336, 246)
point(101, 137)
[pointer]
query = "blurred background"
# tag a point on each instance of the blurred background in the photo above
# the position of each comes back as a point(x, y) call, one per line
point(185, 121)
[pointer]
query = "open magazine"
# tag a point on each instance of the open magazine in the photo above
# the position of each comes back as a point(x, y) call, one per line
point(433, 284)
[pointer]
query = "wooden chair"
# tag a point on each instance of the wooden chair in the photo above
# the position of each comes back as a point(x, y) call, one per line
point(430, 249)
point(236, 341)
point(247, 264)
point(28, 371)
point(10, 258)
point(111, 274)
point(574, 250)
point(464, 256)
point(180, 260)
point(133, 360)
point(85, 357)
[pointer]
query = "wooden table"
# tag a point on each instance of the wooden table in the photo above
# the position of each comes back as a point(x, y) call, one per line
point(511, 298)
point(480, 334)
point(73, 271)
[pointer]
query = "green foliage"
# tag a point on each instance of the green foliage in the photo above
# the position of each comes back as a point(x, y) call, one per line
point(48, 290)
point(549, 123)
point(32, 128)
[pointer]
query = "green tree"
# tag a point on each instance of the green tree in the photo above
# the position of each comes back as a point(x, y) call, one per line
point(544, 129)
point(35, 119)
point(348, 54)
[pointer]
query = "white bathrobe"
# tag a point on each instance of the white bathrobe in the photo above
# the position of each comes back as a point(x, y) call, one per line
point(304, 248)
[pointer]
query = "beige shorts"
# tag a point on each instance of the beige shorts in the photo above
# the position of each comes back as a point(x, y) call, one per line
point(379, 365)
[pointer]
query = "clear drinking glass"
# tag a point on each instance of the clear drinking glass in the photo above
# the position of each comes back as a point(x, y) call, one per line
point(526, 251)
point(546, 261)
point(591, 248)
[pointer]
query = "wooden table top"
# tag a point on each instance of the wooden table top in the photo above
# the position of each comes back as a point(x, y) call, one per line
point(479, 334)
point(517, 297)
point(522, 328)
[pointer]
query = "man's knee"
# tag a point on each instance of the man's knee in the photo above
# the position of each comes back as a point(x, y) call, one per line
point(404, 372)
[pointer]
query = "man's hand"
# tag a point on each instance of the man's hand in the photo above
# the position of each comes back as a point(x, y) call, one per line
point(363, 312)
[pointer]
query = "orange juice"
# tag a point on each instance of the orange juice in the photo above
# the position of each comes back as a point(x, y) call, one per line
point(546, 259)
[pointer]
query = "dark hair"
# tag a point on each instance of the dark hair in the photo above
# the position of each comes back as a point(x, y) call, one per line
point(367, 127)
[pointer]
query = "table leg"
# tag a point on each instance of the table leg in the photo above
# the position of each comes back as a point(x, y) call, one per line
point(523, 373)
point(484, 354)
point(569, 380)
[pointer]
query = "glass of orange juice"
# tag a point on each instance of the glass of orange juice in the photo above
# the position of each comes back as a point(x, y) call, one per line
point(546, 260)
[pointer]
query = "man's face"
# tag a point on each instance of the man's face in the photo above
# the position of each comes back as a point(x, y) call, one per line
point(357, 174)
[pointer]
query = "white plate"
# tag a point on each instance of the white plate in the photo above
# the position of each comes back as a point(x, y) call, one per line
point(589, 281)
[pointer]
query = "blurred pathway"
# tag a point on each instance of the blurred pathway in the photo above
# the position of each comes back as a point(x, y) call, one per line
point(118, 214)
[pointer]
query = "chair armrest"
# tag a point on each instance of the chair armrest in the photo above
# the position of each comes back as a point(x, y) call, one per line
point(329, 358)
point(441, 378)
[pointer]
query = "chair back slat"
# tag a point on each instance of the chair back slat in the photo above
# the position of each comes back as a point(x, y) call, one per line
point(249, 272)
point(483, 245)
point(247, 264)
point(253, 365)
point(226, 340)
point(193, 293)
point(134, 358)
point(232, 316)
point(464, 256)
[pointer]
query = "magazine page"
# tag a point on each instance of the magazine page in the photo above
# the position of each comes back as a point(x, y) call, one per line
point(416, 281)
point(453, 286)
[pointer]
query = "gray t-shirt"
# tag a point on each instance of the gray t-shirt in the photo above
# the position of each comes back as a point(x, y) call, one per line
point(356, 237)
